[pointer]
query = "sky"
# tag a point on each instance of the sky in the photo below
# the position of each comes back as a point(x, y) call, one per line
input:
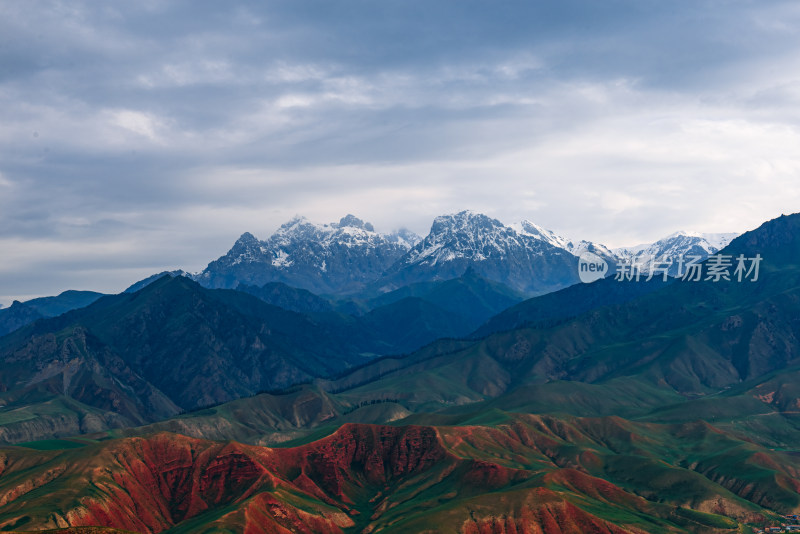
point(142, 136)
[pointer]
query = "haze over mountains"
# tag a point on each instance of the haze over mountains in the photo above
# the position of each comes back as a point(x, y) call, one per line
point(174, 345)
point(411, 291)
point(350, 259)
point(434, 396)
point(21, 313)
point(273, 332)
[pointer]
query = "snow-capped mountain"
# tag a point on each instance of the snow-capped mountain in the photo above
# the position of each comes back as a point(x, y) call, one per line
point(494, 251)
point(680, 244)
point(350, 256)
point(526, 227)
point(323, 258)
point(575, 248)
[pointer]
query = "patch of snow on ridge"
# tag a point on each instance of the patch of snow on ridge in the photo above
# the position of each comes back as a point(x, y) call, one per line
point(281, 259)
point(528, 228)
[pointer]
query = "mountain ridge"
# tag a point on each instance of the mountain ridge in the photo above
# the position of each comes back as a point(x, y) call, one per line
point(522, 255)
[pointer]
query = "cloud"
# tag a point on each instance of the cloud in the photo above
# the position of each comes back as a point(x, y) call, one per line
point(160, 132)
point(144, 124)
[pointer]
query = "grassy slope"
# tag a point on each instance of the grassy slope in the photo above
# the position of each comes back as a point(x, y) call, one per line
point(623, 475)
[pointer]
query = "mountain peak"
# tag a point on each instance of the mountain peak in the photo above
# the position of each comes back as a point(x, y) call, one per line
point(777, 240)
point(247, 239)
point(323, 258)
point(466, 235)
point(295, 221)
point(526, 227)
point(687, 233)
point(464, 220)
point(351, 221)
point(678, 243)
point(404, 237)
point(495, 251)
point(155, 277)
point(463, 215)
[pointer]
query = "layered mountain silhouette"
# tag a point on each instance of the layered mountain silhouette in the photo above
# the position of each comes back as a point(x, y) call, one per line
point(171, 346)
point(688, 337)
point(174, 345)
point(351, 259)
point(690, 346)
point(616, 406)
point(20, 314)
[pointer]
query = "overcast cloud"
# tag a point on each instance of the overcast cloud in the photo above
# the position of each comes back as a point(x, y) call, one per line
point(142, 136)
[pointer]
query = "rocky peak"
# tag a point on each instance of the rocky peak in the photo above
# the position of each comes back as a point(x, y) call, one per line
point(464, 235)
point(297, 220)
point(247, 239)
point(247, 247)
point(352, 221)
point(777, 240)
point(404, 237)
point(297, 230)
point(526, 227)
point(322, 258)
point(495, 251)
point(464, 221)
point(678, 244)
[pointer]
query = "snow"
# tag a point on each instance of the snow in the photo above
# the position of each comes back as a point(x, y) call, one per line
point(460, 235)
point(528, 228)
point(302, 242)
point(281, 259)
point(677, 243)
point(719, 241)
point(425, 252)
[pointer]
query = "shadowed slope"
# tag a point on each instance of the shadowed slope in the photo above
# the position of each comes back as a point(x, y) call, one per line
point(173, 345)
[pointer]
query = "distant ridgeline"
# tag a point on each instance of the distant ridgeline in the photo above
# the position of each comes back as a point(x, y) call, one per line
point(349, 257)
